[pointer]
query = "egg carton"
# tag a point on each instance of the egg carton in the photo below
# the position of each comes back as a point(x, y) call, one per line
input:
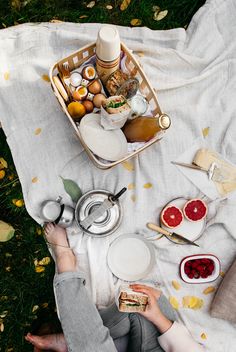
point(78, 60)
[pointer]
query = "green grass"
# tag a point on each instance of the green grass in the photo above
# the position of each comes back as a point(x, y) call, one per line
point(26, 296)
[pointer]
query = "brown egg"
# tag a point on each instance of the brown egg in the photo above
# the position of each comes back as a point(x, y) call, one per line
point(98, 99)
point(88, 105)
point(89, 73)
point(95, 87)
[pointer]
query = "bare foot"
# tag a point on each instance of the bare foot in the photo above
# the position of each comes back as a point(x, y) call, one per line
point(54, 342)
point(57, 238)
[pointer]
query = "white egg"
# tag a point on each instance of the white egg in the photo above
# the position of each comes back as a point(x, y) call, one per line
point(109, 145)
point(75, 79)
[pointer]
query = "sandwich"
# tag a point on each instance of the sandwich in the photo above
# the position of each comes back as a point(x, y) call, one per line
point(131, 301)
point(116, 104)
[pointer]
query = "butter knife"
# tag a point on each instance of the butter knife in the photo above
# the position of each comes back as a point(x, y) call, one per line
point(166, 233)
point(209, 172)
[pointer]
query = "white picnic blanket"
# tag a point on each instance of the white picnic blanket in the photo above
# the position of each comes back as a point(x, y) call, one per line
point(194, 74)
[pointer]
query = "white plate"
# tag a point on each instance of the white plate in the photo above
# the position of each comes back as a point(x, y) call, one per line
point(191, 230)
point(109, 145)
point(130, 257)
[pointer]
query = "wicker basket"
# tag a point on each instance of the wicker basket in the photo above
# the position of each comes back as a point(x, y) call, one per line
point(76, 60)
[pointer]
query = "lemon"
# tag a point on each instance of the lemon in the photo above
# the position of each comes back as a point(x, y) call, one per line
point(76, 110)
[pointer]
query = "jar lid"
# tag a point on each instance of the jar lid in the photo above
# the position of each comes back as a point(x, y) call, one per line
point(164, 121)
point(129, 88)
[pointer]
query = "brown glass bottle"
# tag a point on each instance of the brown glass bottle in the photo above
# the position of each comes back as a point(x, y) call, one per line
point(144, 128)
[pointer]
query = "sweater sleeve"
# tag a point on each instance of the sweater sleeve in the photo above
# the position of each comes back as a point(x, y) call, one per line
point(178, 339)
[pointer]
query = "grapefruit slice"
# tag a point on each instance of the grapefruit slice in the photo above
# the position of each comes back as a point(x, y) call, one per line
point(171, 216)
point(195, 210)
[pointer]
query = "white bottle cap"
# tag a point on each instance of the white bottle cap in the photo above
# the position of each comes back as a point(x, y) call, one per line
point(108, 43)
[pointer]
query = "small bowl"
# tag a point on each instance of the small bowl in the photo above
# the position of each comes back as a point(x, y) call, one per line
point(200, 280)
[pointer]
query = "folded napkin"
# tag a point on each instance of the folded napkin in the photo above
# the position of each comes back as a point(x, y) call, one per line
point(223, 181)
point(224, 175)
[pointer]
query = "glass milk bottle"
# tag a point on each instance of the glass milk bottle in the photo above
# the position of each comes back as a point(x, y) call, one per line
point(107, 52)
point(144, 128)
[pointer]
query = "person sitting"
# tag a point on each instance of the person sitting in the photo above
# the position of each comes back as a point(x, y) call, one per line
point(86, 329)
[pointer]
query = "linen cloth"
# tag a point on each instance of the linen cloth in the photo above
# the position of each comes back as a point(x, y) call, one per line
point(194, 74)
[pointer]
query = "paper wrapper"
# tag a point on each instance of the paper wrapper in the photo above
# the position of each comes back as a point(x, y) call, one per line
point(113, 121)
point(205, 157)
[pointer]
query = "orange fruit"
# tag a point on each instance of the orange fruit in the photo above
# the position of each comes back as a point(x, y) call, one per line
point(76, 110)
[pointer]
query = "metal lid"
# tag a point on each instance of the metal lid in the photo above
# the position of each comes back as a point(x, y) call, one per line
point(129, 88)
point(164, 121)
point(139, 104)
point(105, 224)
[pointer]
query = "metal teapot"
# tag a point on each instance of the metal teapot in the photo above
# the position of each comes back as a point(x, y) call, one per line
point(60, 214)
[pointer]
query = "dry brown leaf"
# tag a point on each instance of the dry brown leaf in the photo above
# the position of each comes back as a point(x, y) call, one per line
point(203, 336)
point(109, 7)
point(135, 22)
point(128, 166)
point(174, 302)
point(147, 185)
point(45, 78)
point(35, 308)
point(208, 290)
point(34, 179)
point(54, 20)
point(140, 53)
point(6, 76)
point(83, 16)
point(1, 327)
point(159, 15)
point(124, 4)
point(37, 131)
point(133, 197)
point(205, 131)
point(91, 4)
point(44, 305)
point(176, 285)
point(222, 274)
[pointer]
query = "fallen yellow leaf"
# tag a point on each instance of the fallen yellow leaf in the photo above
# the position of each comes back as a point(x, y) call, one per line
point(140, 53)
point(176, 285)
point(3, 164)
point(2, 174)
point(135, 22)
point(44, 261)
point(147, 185)
point(208, 290)
point(39, 231)
point(91, 4)
point(128, 166)
point(45, 78)
point(133, 197)
point(83, 16)
point(6, 76)
point(3, 314)
point(34, 179)
point(19, 203)
point(1, 327)
point(222, 274)
point(205, 131)
point(109, 7)
point(35, 308)
point(192, 302)
point(203, 336)
point(124, 4)
point(174, 302)
point(44, 305)
point(159, 15)
point(37, 131)
point(39, 269)
point(131, 186)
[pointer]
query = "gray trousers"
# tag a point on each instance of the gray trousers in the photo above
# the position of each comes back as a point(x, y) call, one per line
point(87, 330)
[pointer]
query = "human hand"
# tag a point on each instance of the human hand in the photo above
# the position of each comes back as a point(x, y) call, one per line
point(153, 312)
